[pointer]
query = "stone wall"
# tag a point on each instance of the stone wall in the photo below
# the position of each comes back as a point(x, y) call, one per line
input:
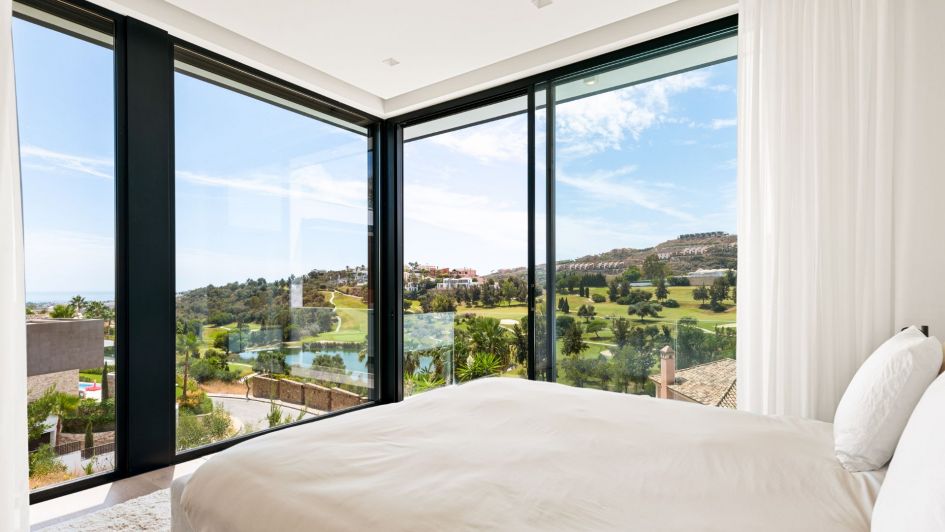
point(265, 388)
point(291, 392)
point(341, 399)
point(317, 397)
point(59, 345)
point(61, 381)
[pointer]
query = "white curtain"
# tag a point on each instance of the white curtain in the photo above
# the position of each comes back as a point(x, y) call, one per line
point(14, 489)
point(817, 109)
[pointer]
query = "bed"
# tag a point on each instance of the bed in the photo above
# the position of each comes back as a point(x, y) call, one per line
point(514, 454)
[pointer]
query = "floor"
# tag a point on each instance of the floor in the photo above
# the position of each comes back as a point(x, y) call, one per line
point(94, 499)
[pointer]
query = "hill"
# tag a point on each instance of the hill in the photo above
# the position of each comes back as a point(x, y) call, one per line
point(684, 254)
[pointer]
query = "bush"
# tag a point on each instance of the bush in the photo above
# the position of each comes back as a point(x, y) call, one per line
point(193, 431)
point(678, 281)
point(598, 298)
point(671, 303)
point(562, 324)
point(481, 365)
point(43, 461)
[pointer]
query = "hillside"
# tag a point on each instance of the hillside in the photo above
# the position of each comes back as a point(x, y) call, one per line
point(684, 254)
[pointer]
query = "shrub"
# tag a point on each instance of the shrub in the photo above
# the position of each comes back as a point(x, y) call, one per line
point(43, 461)
point(671, 303)
point(598, 298)
point(481, 365)
point(678, 281)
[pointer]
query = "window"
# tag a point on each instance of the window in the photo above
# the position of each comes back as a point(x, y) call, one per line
point(465, 247)
point(645, 245)
point(273, 239)
point(65, 99)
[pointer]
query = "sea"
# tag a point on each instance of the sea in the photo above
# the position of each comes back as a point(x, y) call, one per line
point(64, 297)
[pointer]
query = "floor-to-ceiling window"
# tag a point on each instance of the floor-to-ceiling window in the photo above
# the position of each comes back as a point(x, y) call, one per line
point(65, 107)
point(273, 237)
point(644, 226)
point(465, 246)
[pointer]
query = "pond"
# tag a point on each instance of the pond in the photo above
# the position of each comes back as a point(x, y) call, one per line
point(304, 359)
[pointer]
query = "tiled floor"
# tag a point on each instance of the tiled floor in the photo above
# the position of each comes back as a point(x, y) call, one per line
point(94, 499)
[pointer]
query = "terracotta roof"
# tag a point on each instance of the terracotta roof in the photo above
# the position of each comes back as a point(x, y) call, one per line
point(712, 383)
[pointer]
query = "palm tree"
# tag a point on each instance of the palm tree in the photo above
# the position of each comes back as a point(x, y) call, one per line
point(487, 336)
point(187, 345)
point(78, 303)
point(62, 312)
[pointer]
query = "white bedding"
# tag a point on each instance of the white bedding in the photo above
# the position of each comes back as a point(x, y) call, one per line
point(514, 455)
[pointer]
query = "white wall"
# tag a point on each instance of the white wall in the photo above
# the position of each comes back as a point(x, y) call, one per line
point(919, 205)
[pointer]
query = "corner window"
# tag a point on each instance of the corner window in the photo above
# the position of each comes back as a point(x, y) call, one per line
point(273, 239)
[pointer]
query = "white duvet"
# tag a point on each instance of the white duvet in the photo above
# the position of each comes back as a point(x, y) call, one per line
point(512, 454)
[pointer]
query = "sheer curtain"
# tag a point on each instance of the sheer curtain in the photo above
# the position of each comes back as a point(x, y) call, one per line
point(817, 102)
point(14, 490)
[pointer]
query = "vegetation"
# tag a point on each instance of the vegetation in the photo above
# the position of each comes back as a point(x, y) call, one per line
point(197, 430)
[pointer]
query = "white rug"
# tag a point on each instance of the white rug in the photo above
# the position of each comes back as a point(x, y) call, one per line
point(144, 514)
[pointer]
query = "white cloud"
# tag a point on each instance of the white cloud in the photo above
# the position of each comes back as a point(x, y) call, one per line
point(41, 158)
point(720, 123)
point(605, 186)
point(502, 140)
point(604, 121)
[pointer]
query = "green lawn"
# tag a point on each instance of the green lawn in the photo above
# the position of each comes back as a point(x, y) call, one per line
point(354, 319)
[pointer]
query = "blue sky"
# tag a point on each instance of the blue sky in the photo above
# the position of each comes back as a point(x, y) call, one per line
point(635, 167)
point(266, 192)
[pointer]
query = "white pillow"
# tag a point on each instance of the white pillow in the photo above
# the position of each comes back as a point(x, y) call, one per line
point(877, 404)
point(912, 496)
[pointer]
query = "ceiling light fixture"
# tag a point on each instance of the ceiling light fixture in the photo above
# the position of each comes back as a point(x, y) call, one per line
point(541, 3)
point(590, 81)
point(391, 62)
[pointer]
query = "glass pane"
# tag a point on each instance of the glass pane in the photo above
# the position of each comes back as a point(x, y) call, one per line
point(466, 247)
point(273, 236)
point(542, 360)
point(645, 227)
point(65, 106)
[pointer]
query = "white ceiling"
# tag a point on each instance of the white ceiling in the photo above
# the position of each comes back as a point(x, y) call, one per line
point(444, 47)
point(433, 39)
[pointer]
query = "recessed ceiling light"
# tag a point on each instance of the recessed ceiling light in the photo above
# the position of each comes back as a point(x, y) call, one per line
point(541, 3)
point(391, 62)
point(591, 80)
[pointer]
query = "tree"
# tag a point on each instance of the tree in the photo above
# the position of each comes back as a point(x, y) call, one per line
point(221, 341)
point(89, 438)
point(594, 327)
point(78, 304)
point(645, 309)
point(508, 291)
point(661, 292)
point(612, 289)
point(631, 274)
point(62, 312)
point(105, 382)
point(187, 346)
point(654, 268)
point(574, 342)
point(598, 298)
point(621, 329)
point(520, 339)
point(718, 293)
point(587, 312)
point(487, 336)
point(701, 294)
point(438, 302)
point(563, 305)
point(562, 324)
point(100, 311)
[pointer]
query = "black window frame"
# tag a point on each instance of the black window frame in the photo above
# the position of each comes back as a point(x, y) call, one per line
point(529, 86)
point(144, 174)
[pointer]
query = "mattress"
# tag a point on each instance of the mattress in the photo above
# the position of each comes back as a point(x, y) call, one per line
point(514, 454)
